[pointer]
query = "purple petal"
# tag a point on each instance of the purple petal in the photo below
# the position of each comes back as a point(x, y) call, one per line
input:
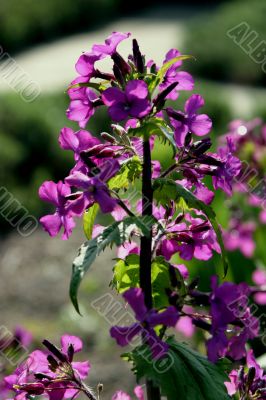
point(136, 89)
point(113, 96)
point(111, 44)
point(181, 130)
point(67, 340)
point(140, 108)
point(193, 104)
point(68, 140)
point(135, 298)
point(51, 224)
point(123, 335)
point(82, 368)
point(168, 317)
point(139, 392)
point(185, 81)
point(173, 53)
point(105, 201)
point(85, 64)
point(200, 125)
point(69, 225)
point(121, 396)
point(48, 192)
point(78, 179)
point(118, 112)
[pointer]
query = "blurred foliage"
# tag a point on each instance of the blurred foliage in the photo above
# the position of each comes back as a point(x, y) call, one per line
point(27, 22)
point(218, 57)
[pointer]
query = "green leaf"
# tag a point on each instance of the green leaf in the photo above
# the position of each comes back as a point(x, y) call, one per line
point(155, 126)
point(167, 189)
point(89, 219)
point(161, 73)
point(97, 86)
point(117, 233)
point(161, 281)
point(183, 373)
point(126, 273)
point(129, 172)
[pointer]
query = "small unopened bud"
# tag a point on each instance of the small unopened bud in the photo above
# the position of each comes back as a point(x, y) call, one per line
point(121, 64)
point(175, 114)
point(118, 75)
point(35, 388)
point(159, 101)
point(99, 389)
point(119, 130)
point(251, 376)
point(201, 147)
point(109, 138)
point(137, 57)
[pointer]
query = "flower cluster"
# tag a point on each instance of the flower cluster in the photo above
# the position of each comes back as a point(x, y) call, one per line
point(170, 217)
point(248, 384)
point(128, 94)
point(247, 206)
point(51, 373)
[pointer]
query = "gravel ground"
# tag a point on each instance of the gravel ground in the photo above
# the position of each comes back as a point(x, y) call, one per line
point(35, 273)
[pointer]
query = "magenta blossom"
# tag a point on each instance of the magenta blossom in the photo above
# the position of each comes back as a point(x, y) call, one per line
point(229, 306)
point(228, 170)
point(147, 320)
point(120, 395)
point(59, 195)
point(259, 278)
point(239, 236)
point(79, 141)
point(111, 43)
point(82, 105)
point(55, 374)
point(94, 188)
point(184, 79)
point(131, 103)
point(252, 383)
point(190, 121)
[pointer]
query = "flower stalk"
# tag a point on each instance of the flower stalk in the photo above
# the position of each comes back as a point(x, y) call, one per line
point(153, 392)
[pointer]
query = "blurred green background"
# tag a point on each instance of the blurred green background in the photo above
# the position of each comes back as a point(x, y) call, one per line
point(45, 38)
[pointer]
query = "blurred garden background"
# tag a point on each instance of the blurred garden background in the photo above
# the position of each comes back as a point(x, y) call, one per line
point(45, 39)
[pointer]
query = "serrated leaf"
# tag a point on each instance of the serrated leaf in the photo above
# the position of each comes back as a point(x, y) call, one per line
point(89, 219)
point(117, 233)
point(183, 374)
point(162, 71)
point(167, 189)
point(129, 172)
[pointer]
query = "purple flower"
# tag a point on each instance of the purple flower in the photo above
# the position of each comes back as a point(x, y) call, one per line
point(190, 121)
point(58, 194)
point(111, 43)
point(259, 278)
point(55, 374)
point(147, 320)
point(184, 79)
point(193, 238)
point(82, 105)
point(251, 384)
point(95, 189)
point(120, 395)
point(131, 103)
point(229, 169)
point(229, 306)
point(77, 141)
point(23, 336)
point(85, 64)
point(240, 236)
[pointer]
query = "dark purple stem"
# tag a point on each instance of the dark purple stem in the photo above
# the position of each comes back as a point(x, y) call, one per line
point(153, 392)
